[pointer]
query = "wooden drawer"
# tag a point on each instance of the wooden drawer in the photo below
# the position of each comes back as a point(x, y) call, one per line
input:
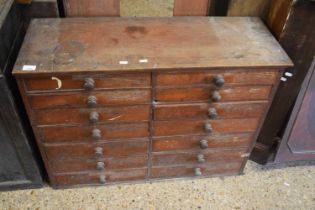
point(176, 143)
point(62, 83)
point(81, 164)
point(226, 168)
point(207, 111)
point(80, 99)
point(191, 158)
point(237, 93)
point(94, 178)
point(108, 149)
point(84, 116)
point(85, 133)
point(168, 128)
point(233, 77)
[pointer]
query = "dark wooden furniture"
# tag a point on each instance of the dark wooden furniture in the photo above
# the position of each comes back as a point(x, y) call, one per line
point(119, 100)
point(298, 141)
point(18, 167)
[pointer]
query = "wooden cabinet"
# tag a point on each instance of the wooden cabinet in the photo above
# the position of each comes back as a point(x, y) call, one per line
point(121, 100)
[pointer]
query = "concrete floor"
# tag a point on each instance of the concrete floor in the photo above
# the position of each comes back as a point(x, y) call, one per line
point(260, 188)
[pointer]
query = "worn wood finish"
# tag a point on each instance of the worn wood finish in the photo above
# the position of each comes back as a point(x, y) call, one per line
point(135, 113)
point(164, 128)
point(79, 165)
point(201, 110)
point(45, 84)
point(110, 149)
point(80, 99)
point(152, 92)
point(191, 8)
point(192, 142)
point(84, 133)
point(91, 8)
point(241, 93)
point(235, 77)
point(248, 8)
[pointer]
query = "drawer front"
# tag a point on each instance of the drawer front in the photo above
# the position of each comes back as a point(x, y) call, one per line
point(235, 77)
point(100, 150)
point(94, 178)
point(86, 116)
point(80, 99)
point(81, 82)
point(195, 158)
point(241, 93)
point(168, 128)
point(85, 133)
point(226, 168)
point(77, 165)
point(177, 143)
point(209, 111)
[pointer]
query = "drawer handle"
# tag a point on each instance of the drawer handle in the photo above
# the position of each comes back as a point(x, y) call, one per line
point(98, 151)
point(89, 84)
point(92, 101)
point(201, 158)
point(198, 172)
point(94, 117)
point(204, 144)
point(208, 128)
point(219, 80)
point(212, 112)
point(100, 166)
point(215, 96)
point(102, 179)
point(96, 134)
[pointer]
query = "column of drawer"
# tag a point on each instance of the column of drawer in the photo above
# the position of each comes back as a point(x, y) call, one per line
point(94, 129)
point(204, 122)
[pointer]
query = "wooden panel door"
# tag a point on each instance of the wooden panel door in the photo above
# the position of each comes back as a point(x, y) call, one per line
point(299, 139)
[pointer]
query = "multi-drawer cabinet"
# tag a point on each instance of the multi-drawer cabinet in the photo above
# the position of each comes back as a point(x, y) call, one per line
point(119, 100)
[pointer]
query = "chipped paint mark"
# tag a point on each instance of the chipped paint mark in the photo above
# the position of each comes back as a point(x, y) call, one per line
point(143, 61)
point(29, 68)
point(59, 82)
point(115, 118)
point(123, 62)
point(245, 155)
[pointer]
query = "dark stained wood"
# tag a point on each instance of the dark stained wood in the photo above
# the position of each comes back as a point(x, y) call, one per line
point(164, 128)
point(298, 142)
point(84, 134)
point(234, 77)
point(240, 93)
point(79, 48)
point(91, 8)
point(228, 168)
point(191, 8)
point(45, 84)
point(79, 99)
point(81, 116)
point(184, 158)
point(110, 149)
point(175, 143)
point(79, 165)
point(93, 178)
point(299, 42)
point(200, 110)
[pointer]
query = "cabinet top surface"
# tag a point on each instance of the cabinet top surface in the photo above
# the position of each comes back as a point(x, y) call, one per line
point(130, 44)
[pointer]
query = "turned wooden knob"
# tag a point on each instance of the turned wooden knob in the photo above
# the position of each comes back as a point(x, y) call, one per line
point(102, 179)
point(94, 117)
point(212, 113)
point(98, 151)
point(96, 134)
point(92, 101)
point(201, 158)
point(219, 80)
point(208, 128)
point(198, 172)
point(89, 84)
point(204, 144)
point(215, 96)
point(100, 166)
